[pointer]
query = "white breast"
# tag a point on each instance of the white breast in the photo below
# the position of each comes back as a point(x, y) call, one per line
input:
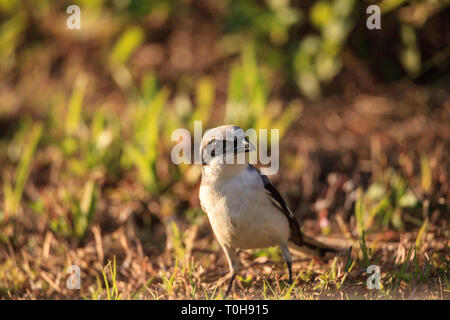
point(241, 213)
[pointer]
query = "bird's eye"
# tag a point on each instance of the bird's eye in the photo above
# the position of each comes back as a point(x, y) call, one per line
point(213, 153)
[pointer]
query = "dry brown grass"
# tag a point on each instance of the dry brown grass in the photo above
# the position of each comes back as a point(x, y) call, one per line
point(37, 270)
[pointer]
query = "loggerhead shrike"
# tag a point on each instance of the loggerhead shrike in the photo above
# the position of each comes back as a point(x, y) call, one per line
point(244, 209)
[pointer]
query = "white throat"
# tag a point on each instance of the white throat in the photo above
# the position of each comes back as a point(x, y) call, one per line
point(215, 171)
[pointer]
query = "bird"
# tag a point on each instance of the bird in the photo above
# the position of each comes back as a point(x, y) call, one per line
point(244, 209)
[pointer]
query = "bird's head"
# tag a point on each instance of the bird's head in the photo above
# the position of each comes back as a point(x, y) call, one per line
point(222, 146)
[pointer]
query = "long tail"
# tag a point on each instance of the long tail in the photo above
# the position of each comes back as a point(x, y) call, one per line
point(312, 246)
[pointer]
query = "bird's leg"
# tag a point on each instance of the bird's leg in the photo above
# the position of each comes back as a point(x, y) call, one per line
point(230, 285)
point(233, 263)
point(287, 257)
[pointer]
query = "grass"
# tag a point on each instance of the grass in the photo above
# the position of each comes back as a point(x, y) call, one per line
point(13, 191)
point(111, 293)
point(85, 145)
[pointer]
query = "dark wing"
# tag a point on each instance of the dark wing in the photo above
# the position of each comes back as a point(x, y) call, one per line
point(278, 201)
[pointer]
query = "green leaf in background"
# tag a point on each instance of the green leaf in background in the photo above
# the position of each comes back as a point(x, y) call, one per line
point(127, 43)
point(254, 82)
point(88, 200)
point(360, 212)
point(13, 194)
point(289, 115)
point(426, 174)
point(321, 13)
point(236, 111)
point(328, 66)
point(75, 107)
point(378, 210)
point(421, 235)
point(408, 200)
point(366, 252)
point(205, 95)
point(317, 59)
point(84, 210)
point(152, 124)
point(146, 175)
point(149, 86)
point(143, 150)
point(388, 5)
point(236, 84)
point(410, 53)
point(10, 35)
point(376, 191)
point(396, 219)
point(247, 92)
point(8, 5)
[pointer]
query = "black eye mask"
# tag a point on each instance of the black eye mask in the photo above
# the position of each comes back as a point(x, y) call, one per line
point(209, 151)
point(218, 147)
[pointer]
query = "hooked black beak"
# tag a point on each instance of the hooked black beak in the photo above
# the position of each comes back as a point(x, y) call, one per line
point(245, 146)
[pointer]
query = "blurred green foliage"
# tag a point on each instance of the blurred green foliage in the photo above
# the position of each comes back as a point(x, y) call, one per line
point(142, 151)
point(269, 44)
point(303, 42)
point(12, 191)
